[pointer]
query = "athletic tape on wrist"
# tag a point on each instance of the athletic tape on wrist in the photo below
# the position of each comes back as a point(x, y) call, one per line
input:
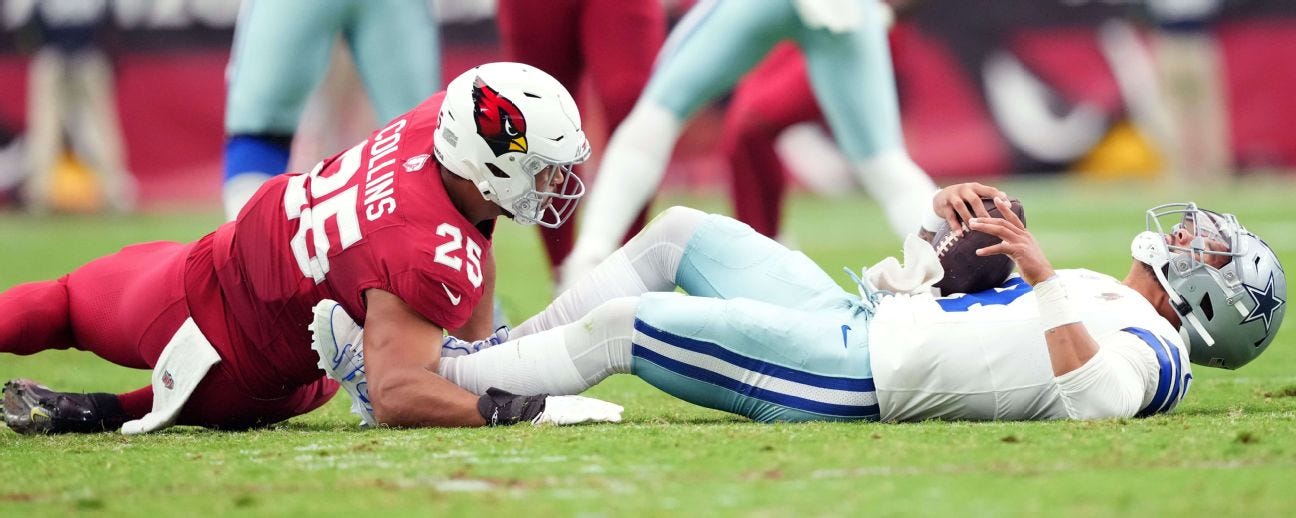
point(1055, 307)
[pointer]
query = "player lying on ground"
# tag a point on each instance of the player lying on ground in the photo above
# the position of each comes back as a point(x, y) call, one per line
point(765, 333)
point(397, 229)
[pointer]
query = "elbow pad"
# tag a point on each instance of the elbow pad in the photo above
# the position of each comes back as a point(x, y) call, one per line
point(1103, 387)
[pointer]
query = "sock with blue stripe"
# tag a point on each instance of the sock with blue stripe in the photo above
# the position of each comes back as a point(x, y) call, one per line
point(250, 160)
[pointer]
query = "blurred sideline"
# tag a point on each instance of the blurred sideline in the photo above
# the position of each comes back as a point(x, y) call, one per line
point(1032, 88)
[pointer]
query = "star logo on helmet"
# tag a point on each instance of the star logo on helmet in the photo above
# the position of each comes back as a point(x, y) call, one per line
point(1266, 303)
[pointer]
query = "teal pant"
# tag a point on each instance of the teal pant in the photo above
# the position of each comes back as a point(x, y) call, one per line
point(763, 333)
point(282, 48)
point(851, 73)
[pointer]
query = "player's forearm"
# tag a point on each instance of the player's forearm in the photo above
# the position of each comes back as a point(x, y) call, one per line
point(422, 399)
point(482, 321)
point(1069, 344)
point(480, 325)
point(1069, 347)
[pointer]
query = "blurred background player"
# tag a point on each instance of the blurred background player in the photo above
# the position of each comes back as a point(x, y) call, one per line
point(773, 97)
point(281, 51)
point(850, 69)
point(70, 92)
point(1193, 89)
point(610, 42)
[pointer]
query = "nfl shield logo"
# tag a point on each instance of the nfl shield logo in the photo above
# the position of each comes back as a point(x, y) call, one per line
point(167, 380)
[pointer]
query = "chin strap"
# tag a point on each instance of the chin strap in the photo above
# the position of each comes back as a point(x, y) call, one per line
point(1150, 248)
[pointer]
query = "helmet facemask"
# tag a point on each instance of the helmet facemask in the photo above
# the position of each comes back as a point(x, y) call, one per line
point(510, 128)
point(548, 205)
point(1212, 269)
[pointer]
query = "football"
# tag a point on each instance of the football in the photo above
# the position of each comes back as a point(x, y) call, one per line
point(966, 272)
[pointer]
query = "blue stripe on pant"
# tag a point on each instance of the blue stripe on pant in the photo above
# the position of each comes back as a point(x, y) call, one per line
point(709, 375)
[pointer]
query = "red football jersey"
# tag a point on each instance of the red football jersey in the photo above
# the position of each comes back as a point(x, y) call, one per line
point(374, 216)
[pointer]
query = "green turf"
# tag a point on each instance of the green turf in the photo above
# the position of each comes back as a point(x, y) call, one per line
point(1227, 449)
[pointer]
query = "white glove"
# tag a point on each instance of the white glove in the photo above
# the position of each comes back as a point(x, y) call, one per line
point(564, 410)
point(453, 347)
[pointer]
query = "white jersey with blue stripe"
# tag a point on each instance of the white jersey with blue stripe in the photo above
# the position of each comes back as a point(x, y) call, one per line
point(983, 356)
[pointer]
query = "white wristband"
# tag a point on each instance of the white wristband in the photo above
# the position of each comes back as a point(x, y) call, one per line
point(1055, 307)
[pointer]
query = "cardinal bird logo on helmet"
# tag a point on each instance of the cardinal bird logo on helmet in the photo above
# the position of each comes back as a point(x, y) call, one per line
point(499, 121)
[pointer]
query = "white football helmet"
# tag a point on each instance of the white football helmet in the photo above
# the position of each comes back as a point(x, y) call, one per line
point(509, 128)
point(1229, 314)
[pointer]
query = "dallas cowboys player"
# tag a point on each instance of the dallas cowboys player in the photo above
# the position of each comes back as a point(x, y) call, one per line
point(845, 45)
point(766, 334)
point(281, 52)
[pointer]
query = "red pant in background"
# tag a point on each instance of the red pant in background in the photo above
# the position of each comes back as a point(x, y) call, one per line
point(774, 95)
point(613, 41)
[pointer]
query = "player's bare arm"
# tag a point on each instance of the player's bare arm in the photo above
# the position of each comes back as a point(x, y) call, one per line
point(401, 363)
point(1070, 345)
point(480, 323)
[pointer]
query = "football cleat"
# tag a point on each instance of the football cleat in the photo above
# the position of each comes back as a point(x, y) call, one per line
point(452, 347)
point(33, 409)
point(336, 337)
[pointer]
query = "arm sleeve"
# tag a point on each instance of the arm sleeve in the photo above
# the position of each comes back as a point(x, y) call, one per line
point(1113, 383)
point(439, 298)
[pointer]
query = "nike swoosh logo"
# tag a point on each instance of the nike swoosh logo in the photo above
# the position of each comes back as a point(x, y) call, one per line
point(454, 299)
point(845, 344)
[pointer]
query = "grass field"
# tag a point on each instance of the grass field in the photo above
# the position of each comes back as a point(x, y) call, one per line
point(1229, 448)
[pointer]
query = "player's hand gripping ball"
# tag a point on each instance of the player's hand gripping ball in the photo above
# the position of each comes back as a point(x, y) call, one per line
point(965, 271)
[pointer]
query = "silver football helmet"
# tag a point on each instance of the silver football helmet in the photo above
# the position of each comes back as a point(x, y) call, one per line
point(510, 129)
point(1225, 283)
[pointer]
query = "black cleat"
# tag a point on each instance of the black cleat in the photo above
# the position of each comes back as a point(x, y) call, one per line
point(33, 409)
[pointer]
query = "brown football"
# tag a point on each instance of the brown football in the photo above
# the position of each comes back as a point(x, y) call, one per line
point(966, 272)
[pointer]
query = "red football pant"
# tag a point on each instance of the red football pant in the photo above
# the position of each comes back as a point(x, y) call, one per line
point(774, 95)
point(125, 308)
point(614, 41)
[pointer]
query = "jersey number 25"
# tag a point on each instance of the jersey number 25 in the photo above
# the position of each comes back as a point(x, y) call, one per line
point(329, 204)
point(333, 202)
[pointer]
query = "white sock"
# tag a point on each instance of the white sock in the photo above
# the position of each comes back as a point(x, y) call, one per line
point(902, 188)
point(614, 277)
point(561, 361)
point(238, 190)
point(646, 263)
point(630, 173)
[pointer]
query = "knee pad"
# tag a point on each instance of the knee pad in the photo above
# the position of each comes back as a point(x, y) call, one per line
point(656, 252)
point(675, 224)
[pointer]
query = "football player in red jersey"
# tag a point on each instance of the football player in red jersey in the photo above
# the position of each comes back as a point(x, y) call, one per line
point(397, 229)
